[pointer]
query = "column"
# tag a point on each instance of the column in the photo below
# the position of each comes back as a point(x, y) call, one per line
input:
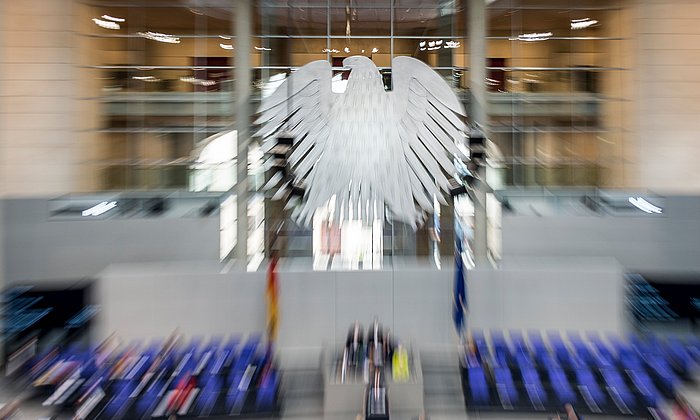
point(477, 72)
point(242, 74)
point(477, 61)
point(39, 154)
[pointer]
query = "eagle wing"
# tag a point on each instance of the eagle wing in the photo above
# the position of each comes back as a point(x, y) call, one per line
point(299, 106)
point(428, 115)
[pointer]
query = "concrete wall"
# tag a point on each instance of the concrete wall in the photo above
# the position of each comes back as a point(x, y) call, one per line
point(145, 301)
point(37, 248)
point(549, 294)
point(668, 242)
point(668, 139)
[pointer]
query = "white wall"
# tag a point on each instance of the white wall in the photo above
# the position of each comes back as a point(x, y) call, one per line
point(150, 300)
point(549, 294)
point(143, 301)
point(668, 242)
point(37, 248)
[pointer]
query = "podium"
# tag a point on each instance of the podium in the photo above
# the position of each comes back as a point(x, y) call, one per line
point(407, 397)
point(340, 396)
point(348, 394)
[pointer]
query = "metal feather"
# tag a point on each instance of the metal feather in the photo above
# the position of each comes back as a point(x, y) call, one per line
point(367, 148)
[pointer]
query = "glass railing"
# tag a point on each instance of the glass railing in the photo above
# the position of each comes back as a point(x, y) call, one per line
point(134, 204)
point(543, 201)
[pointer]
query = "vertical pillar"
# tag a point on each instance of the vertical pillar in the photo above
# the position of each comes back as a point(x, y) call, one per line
point(242, 74)
point(477, 61)
point(477, 72)
point(480, 245)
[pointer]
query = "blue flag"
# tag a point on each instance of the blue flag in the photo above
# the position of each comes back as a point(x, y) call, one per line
point(459, 299)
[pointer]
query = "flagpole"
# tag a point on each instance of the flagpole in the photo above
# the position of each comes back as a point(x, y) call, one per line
point(459, 293)
point(272, 297)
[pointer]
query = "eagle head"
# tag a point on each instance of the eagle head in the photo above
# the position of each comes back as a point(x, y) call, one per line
point(361, 67)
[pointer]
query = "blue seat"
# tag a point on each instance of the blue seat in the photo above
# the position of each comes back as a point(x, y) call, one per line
point(267, 391)
point(208, 396)
point(504, 380)
point(149, 400)
point(501, 350)
point(582, 351)
point(237, 392)
point(663, 371)
point(246, 357)
point(560, 384)
point(482, 347)
point(478, 387)
point(617, 385)
point(522, 359)
point(119, 404)
point(646, 388)
point(140, 368)
point(186, 364)
point(518, 341)
point(533, 385)
point(539, 349)
point(561, 351)
point(208, 358)
point(679, 354)
point(585, 378)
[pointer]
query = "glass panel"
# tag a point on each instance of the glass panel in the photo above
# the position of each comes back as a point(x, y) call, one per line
point(161, 20)
point(424, 22)
point(293, 21)
point(360, 22)
point(427, 4)
point(378, 49)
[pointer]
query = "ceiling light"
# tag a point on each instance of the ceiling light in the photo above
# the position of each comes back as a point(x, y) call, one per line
point(582, 23)
point(346, 49)
point(226, 46)
point(644, 205)
point(146, 78)
point(263, 48)
point(106, 24)
point(421, 44)
point(224, 37)
point(112, 18)
point(157, 36)
point(375, 50)
point(196, 81)
point(535, 36)
point(452, 44)
point(330, 50)
point(99, 209)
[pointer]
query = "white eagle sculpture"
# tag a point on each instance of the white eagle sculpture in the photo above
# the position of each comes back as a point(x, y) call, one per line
point(367, 147)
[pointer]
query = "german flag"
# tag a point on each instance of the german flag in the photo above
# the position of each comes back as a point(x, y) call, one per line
point(272, 295)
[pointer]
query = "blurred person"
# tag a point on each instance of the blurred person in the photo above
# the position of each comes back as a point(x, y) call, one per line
point(682, 410)
point(9, 410)
point(571, 413)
